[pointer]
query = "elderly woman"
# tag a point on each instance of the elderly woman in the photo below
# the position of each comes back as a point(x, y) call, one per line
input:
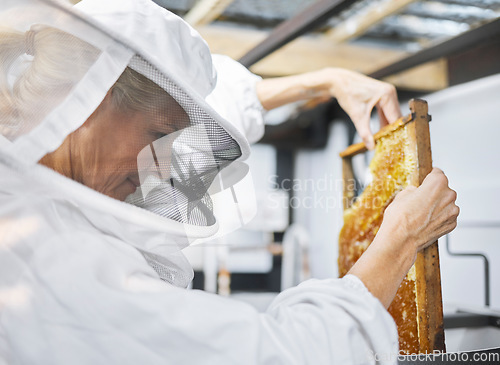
point(108, 149)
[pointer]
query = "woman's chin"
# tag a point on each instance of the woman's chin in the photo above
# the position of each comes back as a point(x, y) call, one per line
point(123, 190)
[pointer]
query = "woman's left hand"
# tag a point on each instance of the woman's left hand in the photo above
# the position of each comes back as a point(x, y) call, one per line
point(358, 94)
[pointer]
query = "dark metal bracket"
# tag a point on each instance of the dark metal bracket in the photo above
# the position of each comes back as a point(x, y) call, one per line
point(486, 267)
point(470, 320)
point(464, 41)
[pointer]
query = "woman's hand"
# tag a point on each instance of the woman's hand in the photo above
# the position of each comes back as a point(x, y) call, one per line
point(358, 94)
point(415, 219)
point(421, 215)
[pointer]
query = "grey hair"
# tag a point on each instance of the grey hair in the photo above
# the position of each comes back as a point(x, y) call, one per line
point(134, 91)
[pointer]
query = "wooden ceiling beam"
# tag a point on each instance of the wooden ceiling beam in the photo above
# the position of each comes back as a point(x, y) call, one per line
point(314, 52)
point(309, 19)
point(230, 40)
point(206, 11)
point(301, 55)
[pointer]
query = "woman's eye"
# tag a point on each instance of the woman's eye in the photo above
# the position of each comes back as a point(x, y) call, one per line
point(158, 135)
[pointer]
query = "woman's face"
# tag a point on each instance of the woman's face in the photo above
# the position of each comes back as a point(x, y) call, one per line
point(103, 151)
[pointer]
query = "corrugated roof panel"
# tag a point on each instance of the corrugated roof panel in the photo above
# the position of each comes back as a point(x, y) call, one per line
point(455, 12)
point(276, 9)
point(425, 22)
point(414, 27)
point(486, 4)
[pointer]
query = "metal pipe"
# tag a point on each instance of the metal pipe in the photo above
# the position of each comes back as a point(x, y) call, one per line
point(486, 268)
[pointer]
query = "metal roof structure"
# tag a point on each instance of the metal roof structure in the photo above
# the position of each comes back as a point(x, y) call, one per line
point(363, 35)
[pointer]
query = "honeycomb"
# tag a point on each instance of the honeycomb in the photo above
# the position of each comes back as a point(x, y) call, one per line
point(392, 166)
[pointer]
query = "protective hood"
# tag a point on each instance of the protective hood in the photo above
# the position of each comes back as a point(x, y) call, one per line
point(111, 94)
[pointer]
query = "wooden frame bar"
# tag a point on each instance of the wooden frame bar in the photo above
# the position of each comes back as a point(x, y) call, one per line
point(428, 282)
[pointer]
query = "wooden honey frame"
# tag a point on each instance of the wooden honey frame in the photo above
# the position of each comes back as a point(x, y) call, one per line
point(428, 278)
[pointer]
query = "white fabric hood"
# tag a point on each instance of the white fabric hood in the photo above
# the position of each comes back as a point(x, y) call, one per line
point(148, 29)
point(103, 39)
point(120, 28)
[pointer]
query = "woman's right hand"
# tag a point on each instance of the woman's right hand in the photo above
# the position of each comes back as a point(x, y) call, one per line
point(422, 215)
point(415, 219)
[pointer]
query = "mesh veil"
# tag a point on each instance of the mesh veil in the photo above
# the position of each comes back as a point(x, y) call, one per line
point(177, 170)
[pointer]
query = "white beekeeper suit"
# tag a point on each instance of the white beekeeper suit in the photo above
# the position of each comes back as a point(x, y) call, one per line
point(89, 279)
point(235, 97)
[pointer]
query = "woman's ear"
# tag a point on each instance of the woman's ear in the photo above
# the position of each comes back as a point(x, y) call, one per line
point(106, 103)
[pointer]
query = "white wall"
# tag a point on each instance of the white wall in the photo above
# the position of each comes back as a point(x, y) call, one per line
point(465, 132)
point(318, 194)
